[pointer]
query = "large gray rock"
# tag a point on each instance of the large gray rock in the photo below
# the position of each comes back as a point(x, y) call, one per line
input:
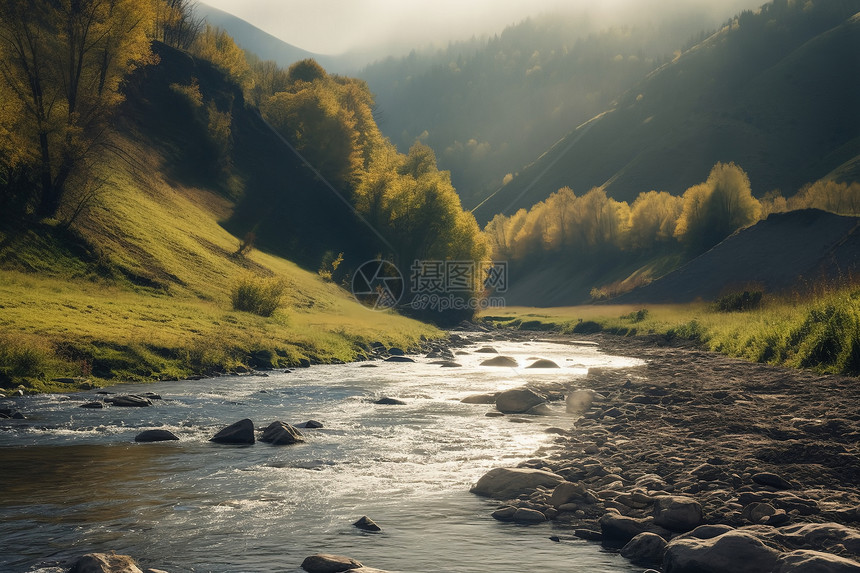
point(565, 492)
point(771, 479)
point(621, 528)
point(732, 552)
point(528, 516)
point(645, 549)
point(104, 563)
point(281, 434)
point(543, 363)
point(507, 483)
point(241, 432)
point(805, 561)
point(155, 436)
point(677, 512)
point(129, 401)
point(479, 399)
point(327, 563)
point(518, 400)
point(823, 536)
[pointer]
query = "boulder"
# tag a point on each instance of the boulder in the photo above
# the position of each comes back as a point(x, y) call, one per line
point(104, 563)
point(529, 516)
point(501, 361)
point(677, 512)
point(155, 436)
point(312, 424)
point(579, 401)
point(129, 401)
point(367, 524)
point(327, 563)
point(645, 549)
point(620, 528)
point(732, 552)
point(505, 513)
point(518, 400)
point(280, 434)
point(394, 351)
point(450, 364)
point(386, 401)
point(507, 483)
point(805, 561)
point(93, 405)
point(543, 363)
point(709, 531)
point(823, 536)
point(241, 432)
point(487, 350)
point(399, 359)
point(479, 399)
point(771, 479)
point(565, 492)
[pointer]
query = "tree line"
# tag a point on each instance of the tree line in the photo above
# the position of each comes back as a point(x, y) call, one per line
point(593, 228)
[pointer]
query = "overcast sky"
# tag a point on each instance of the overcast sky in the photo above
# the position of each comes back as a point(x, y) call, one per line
point(335, 26)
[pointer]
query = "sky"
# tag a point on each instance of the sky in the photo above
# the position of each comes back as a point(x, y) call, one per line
point(337, 26)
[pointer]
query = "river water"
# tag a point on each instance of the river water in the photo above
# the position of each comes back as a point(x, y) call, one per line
point(73, 481)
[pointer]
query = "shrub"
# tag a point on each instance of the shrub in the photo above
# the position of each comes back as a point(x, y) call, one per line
point(637, 316)
point(258, 295)
point(738, 301)
point(587, 327)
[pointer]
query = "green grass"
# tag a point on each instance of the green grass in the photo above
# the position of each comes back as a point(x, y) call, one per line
point(140, 289)
point(821, 332)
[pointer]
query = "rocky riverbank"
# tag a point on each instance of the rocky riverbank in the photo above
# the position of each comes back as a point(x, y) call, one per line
point(699, 462)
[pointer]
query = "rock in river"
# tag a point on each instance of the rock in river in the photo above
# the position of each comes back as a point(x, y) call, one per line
point(155, 436)
point(242, 432)
point(500, 361)
point(129, 401)
point(327, 563)
point(518, 400)
point(646, 548)
point(104, 563)
point(543, 363)
point(399, 359)
point(386, 401)
point(280, 434)
point(367, 524)
point(507, 483)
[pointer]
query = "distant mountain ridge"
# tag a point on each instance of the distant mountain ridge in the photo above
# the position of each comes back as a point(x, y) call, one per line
point(774, 91)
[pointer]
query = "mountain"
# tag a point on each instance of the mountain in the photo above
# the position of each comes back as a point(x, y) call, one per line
point(786, 251)
point(489, 105)
point(774, 91)
point(269, 47)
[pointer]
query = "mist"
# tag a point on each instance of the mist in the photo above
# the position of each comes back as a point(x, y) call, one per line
point(393, 27)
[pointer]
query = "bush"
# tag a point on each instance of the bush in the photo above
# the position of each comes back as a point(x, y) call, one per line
point(258, 295)
point(738, 301)
point(637, 316)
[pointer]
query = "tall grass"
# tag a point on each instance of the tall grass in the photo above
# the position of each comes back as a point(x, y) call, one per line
point(819, 329)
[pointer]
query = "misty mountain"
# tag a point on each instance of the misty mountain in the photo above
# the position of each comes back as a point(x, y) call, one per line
point(775, 91)
point(488, 106)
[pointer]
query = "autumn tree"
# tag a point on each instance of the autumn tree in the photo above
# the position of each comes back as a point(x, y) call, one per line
point(217, 46)
point(653, 217)
point(64, 62)
point(716, 208)
point(828, 195)
point(175, 23)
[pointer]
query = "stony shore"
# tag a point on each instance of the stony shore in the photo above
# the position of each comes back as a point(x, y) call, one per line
point(700, 462)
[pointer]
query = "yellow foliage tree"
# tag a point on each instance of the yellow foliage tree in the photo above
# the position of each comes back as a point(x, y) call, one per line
point(653, 217)
point(217, 46)
point(827, 195)
point(64, 62)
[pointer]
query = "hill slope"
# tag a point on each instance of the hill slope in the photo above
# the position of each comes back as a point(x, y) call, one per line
point(140, 287)
point(774, 91)
point(783, 252)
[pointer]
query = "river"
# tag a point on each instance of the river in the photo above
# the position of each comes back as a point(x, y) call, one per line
point(73, 481)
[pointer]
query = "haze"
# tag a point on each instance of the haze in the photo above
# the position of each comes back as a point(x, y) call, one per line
point(338, 26)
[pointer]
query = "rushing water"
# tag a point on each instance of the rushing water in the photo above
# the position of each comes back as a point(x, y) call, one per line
point(73, 481)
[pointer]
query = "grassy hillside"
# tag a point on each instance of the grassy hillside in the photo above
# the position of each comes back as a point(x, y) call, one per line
point(140, 286)
point(773, 91)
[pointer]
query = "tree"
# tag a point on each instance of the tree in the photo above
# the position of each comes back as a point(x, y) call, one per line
point(653, 217)
point(716, 208)
point(217, 46)
point(176, 24)
point(64, 62)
